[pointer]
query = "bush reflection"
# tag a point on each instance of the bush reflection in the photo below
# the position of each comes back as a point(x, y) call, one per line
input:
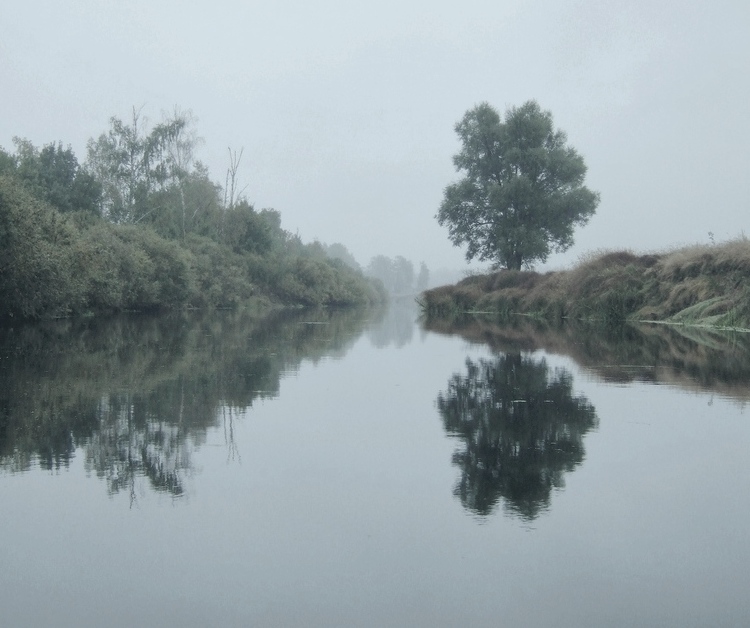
point(135, 396)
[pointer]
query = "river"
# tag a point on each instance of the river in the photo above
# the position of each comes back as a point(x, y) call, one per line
point(361, 468)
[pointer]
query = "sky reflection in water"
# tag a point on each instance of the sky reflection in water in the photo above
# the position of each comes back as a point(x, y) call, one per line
point(363, 470)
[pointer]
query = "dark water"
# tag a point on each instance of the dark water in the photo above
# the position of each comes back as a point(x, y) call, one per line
point(357, 469)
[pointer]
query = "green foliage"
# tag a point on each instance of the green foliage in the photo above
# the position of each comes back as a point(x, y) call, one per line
point(248, 231)
point(132, 164)
point(166, 278)
point(164, 239)
point(188, 205)
point(53, 175)
point(108, 268)
point(340, 252)
point(35, 255)
point(312, 281)
point(120, 267)
point(522, 193)
point(221, 278)
point(52, 264)
point(7, 162)
point(49, 266)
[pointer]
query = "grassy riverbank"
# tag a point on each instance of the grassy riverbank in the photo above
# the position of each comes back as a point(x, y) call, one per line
point(698, 285)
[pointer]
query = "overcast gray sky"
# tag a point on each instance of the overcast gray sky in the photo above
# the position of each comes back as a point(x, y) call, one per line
point(346, 109)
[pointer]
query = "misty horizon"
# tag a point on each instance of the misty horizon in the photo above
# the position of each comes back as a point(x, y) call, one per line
point(346, 113)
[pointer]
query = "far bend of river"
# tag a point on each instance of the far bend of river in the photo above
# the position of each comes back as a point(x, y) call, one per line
point(356, 469)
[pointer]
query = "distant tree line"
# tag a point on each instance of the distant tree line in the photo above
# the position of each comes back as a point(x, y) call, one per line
point(140, 225)
point(397, 275)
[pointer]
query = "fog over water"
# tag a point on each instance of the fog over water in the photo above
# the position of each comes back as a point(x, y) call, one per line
point(346, 110)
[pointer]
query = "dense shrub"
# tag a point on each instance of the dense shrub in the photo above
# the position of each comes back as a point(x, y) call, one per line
point(166, 279)
point(35, 255)
point(221, 278)
point(102, 262)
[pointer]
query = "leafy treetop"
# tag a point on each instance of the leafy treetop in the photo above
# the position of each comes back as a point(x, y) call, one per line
point(522, 193)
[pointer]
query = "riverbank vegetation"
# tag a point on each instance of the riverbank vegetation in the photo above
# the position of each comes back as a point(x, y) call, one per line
point(141, 226)
point(697, 285)
point(520, 198)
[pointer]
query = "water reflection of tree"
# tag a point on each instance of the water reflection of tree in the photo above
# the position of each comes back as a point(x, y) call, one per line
point(688, 357)
point(132, 440)
point(136, 395)
point(521, 429)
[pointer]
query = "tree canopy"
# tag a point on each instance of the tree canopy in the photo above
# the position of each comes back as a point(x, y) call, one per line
point(141, 226)
point(52, 174)
point(522, 193)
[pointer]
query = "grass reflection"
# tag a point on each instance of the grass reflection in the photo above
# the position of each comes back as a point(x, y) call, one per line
point(692, 358)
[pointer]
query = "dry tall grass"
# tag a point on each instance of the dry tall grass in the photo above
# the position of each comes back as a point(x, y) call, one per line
point(702, 284)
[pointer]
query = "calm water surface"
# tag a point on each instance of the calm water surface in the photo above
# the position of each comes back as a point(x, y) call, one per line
point(357, 469)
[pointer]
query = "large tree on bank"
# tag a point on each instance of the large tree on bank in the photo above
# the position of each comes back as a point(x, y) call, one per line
point(522, 193)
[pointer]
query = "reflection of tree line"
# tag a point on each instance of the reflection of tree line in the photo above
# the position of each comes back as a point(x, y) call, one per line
point(521, 428)
point(138, 394)
point(689, 357)
point(520, 425)
point(134, 439)
point(396, 326)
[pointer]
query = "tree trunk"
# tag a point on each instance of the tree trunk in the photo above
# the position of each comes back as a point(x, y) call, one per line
point(515, 262)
